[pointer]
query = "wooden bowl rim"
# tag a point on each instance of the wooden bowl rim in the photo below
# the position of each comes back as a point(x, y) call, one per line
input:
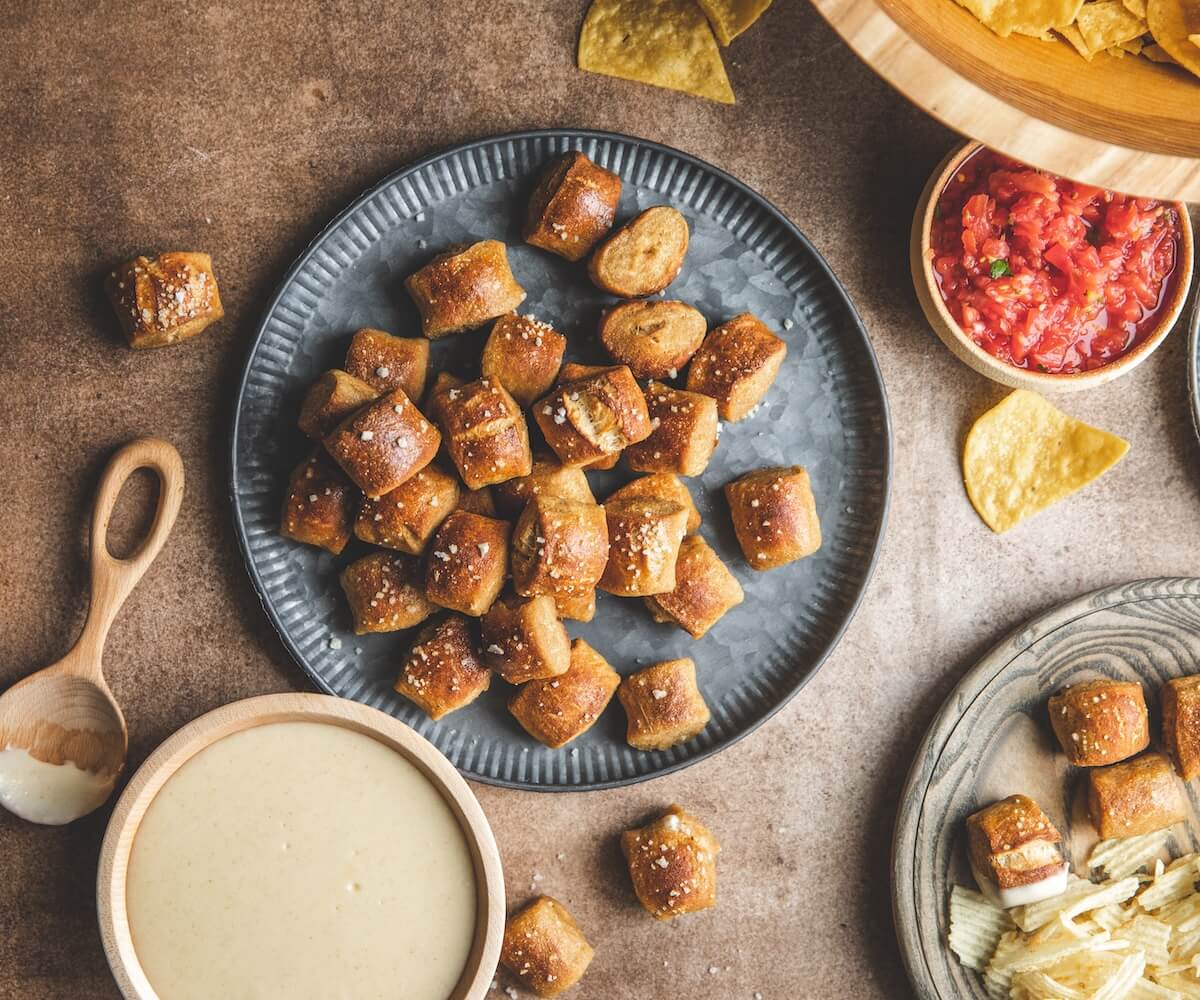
point(954, 337)
point(249, 713)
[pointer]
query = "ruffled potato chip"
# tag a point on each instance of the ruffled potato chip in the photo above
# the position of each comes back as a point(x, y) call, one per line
point(666, 43)
point(1024, 455)
point(1172, 22)
point(729, 18)
point(1024, 17)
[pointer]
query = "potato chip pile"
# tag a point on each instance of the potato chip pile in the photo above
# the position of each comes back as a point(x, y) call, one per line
point(1133, 936)
point(666, 43)
point(1161, 30)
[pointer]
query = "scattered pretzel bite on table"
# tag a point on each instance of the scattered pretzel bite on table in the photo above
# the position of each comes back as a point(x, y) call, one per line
point(523, 640)
point(672, 864)
point(319, 505)
point(443, 671)
point(467, 562)
point(595, 416)
point(1179, 700)
point(406, 518)
point(330, 400)
point(572, 206)
point(655, 338)
point(549, 478)
point(663, 486)
point(644, 534)
point(166, 299)
point(1100, 722)
point(1134, 797)
point(524, 355)
point(560, 548)
point(643, 256)
point(704, 590)
point(556, 710)
point(388, 362)
point(544, 948)
point(484, 431)
point(463, 288)
point(774, 516)
point(384, 444)
point(736, 365)
point(386, 592)
point(663, 704)
point(684, 435)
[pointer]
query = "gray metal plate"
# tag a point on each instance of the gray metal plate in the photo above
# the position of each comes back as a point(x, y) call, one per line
point(827, 411)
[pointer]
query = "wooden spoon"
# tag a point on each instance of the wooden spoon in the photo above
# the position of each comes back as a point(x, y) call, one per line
point(62, 735)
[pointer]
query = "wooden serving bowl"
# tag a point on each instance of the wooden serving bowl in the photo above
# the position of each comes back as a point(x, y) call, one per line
point(967, 351)
point(208, 729)
point(1125, 124)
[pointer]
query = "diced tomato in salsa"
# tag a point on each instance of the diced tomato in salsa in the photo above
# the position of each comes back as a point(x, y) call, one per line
point(1048, 274)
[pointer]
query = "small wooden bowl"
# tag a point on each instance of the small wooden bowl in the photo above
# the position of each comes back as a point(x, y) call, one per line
point(206, 730)
point(966, 350)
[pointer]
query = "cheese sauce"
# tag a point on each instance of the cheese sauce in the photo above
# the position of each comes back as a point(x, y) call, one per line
point(300, 860)
point(49, 793)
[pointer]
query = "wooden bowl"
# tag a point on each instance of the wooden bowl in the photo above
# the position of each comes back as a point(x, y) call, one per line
point(966, 350)
point(206, 730)
point(1126, 124)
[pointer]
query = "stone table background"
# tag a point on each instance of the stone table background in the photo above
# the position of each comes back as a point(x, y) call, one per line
point(239, 129)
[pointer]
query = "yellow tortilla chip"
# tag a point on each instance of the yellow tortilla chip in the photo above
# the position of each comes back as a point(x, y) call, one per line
point(1024, 455)
point(729, 18)
point(666, 43)
point(1107, 24)
point(1194, 39)
point(1025, 17)
point(1072, 35)
point(1134, 46)
point(1136, 7)
point(1171, 22)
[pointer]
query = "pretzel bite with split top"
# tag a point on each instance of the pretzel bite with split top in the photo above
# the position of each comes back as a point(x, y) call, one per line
point(643, 256)
point(1134, 797)
point(1100, 722)
point(663, 704)
point(384, 444)
point(468, 559)
point(1180, 700)
point(406, 518)
point(556, 710)
point(774, 516)
point(704, 590)
point(330, 400)
point(523, 640)
point(463, 288)
point(478, 501)
point(544, 948)
point(485, 433)
point(593, 417)
point(165, 299)
point(644, 535)
point(560, 548)
point(387, 362)
point(572, 207)
point(663, 486)
point(524, 355)
point(442, 672)
point(656, 338)
point(736, 365)
point(386, 593)
point(1014, 852)
point(549, 478)
point(672, 864)
point(684, 434)
point(318, 508)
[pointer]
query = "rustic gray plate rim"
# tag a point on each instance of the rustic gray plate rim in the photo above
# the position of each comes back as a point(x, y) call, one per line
point(834, 284)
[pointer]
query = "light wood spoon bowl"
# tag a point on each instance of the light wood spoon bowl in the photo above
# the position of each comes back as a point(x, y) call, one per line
point(66, 714)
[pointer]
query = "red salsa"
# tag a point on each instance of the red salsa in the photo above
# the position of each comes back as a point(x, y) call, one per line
point(1048, 274)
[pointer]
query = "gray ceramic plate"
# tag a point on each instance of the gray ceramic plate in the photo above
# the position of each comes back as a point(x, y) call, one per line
point(827, 411)
point(1194, 362)
point(992, 738)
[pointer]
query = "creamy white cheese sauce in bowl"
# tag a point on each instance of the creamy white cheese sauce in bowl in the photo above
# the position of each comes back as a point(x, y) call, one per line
point(299, 846)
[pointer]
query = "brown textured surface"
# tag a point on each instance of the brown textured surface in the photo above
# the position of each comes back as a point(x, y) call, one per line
point(239, 129)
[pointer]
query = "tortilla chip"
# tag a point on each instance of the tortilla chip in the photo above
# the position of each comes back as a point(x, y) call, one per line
point(1171, 22)
point(1072, 35)
point(1134, 46)
point(729, 18)
point(666, 43)
point(1136, 7)
point(1107, 24)
point(1156, 53)
point(1024, 455)
point(1025, 17)
point(1194, 39)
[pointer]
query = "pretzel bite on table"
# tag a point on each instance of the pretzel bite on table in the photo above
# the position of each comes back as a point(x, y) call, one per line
point(1100, 722)
point(443, 671)
point(407, 517)
point(663, 704)
point(593, 417)
point(384, 444)
point(318, 508)
point(1014, 852)
point(664, 486)
point(684, 434)
point(560, 548)
point(463, 288)
point(389, 362)
point(1135, 797)
point(672, 864)
point(643, 256)
point(572, 207)
point(644, 535)
point(330, 400)
point(467, 563)
point(704, 590)
point(524, 355)
point(655, 338)
point(549, 478)
point(485, 433)
point(774, 516)
point(1180, 700)
point(544, 948)
point(556, 710)
point(523, 640)
point(386, 593)
point(165, 299)
point(736, 365)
